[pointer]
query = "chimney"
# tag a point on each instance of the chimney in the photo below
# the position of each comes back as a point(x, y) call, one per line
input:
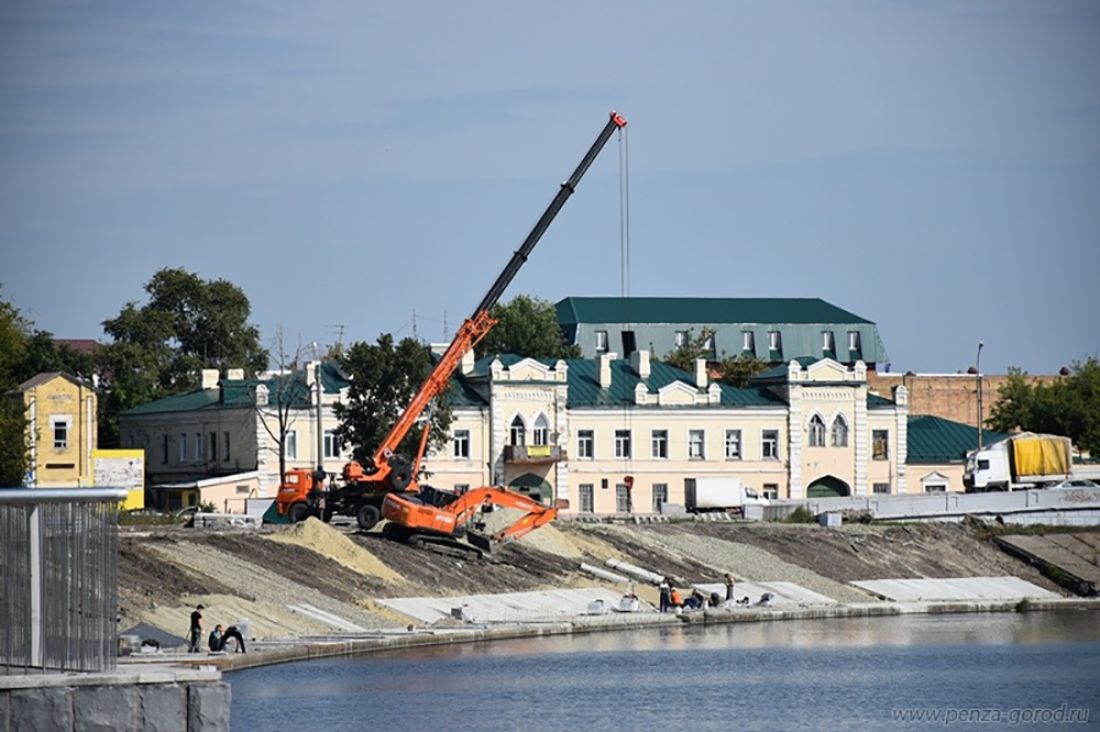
point(209, 379)
point(466, 366)
point(311, 373)
point(639, 360)
point(605, 369)
point(235, 375)
point(701, 373)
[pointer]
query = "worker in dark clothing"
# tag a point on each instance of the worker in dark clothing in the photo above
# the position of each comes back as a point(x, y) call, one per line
point(729, 587)
point(196, 629)
point(216, 642)
point(233, 632)
point(666, 592)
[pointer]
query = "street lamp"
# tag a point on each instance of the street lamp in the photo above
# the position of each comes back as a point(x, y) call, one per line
point(978, 368)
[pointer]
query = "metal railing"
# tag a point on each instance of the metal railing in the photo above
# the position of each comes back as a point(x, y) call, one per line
point(59, 579)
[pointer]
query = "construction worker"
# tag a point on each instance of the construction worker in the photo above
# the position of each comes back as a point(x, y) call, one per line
point(196, 629)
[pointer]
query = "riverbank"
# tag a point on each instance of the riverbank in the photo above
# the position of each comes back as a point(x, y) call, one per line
point(386, 642)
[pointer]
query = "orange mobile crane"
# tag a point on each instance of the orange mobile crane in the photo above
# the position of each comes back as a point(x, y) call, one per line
point(365, 486)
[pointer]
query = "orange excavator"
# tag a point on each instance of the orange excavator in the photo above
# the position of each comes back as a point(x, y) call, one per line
point(436, 519)
point(365, 486)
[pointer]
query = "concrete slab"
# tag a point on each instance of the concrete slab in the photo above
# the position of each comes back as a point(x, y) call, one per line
point(327, 618)
point(506, 607)
point(784, 594)
point(954, 588)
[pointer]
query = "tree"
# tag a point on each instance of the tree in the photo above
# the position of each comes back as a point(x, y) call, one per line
point(283, 392)
point(528, 326)
point(732, 370)
point(384, 379)
point(1069, 405)
point(14, 446)
point(159, 348)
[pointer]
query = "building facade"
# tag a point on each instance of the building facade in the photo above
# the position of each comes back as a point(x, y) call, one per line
point(229, 430)
point(610, 435)
point(775, 330)
point(61, 411)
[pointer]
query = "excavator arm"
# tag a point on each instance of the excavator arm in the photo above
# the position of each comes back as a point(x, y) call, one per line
point(395, 471)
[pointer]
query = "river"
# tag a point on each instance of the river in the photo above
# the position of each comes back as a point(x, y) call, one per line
point(988, 671)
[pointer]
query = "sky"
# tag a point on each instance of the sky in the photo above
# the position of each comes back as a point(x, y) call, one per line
point(931, 166)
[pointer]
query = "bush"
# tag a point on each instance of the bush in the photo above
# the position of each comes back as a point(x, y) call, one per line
point(801, 515)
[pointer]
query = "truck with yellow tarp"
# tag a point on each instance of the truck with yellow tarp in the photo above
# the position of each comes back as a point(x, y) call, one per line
point(1018, 462)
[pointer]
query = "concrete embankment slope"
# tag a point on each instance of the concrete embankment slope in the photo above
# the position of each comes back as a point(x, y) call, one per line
point(293, 581)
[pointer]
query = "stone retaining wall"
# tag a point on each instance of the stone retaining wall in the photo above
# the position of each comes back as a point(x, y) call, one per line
point(161, 701)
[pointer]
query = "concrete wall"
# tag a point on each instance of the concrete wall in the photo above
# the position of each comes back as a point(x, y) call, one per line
point(182, 701)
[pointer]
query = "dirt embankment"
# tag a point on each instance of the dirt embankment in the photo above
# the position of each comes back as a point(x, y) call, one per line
point(278, 578)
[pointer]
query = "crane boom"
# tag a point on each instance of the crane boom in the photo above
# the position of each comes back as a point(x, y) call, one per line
point(397, 471)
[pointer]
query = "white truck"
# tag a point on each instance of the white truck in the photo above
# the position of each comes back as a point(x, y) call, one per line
point(1019, 462)
point(719, 493)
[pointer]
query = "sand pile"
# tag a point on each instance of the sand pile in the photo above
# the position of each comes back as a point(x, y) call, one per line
point(328, 542)
point(544, 539)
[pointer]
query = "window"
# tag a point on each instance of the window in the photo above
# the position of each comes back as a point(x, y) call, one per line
point(879, 444)
point(60, 432)
point(817, 431)
point(518, 433)
point(601, 341)
point(733, 444)
point(771, 491)
point(659, 441)
point(935, 488)
point(586, 444)
point(461, 488)
point(242, 490)
point(696, 445)
point(983, 465)
point(541, 433)
point(622, 498)
point(774, 341)
point(291, 444)
point(164, 449)
point(827, 343)
point(769, 444)
point(630, 344)
point(880, 489)
point(622, 443)
point(198, 447)
point(460, 445)
point(586, 496)
point(681, 338)
point(225, 439)
point(183, 448)
point(331, 448)
point(840, 432)
point(213, 447)
point(853, 340)
point(708, 342)
point(660, 496)
point(748, 343)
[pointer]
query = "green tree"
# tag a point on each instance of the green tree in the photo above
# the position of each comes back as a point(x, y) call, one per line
point(384, 378)
point(14, 448)
point(732, 370)
point(528, 326)
point(737, 370)
point(1069, 405)
point(158, 348)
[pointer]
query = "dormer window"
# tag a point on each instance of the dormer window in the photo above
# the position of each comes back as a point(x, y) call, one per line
point(853, 340)
point(748, 343)
point(775, 343)
point(601, 341)
point(827, 343)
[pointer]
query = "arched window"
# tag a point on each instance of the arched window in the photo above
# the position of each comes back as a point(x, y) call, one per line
point(817, 432)
point(519, 432)
point(840, 431)
point(541, 434)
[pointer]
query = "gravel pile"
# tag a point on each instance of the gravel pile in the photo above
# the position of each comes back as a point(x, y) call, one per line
point(263, 594)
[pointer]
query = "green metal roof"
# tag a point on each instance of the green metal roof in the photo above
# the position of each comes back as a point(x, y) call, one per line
point(237, 393)
point(937, 440)
point(574, 310)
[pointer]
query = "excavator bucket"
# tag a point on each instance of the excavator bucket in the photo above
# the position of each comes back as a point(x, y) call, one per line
point(481, 541)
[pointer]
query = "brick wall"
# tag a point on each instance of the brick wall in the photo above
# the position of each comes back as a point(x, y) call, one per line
point(950, 396)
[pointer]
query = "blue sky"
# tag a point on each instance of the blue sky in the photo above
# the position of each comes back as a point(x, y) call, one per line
point(931, 166)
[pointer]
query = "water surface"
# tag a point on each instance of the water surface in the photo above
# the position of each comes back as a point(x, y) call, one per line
point(831, 674)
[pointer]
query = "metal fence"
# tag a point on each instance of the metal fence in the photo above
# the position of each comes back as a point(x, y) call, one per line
point(58, 579)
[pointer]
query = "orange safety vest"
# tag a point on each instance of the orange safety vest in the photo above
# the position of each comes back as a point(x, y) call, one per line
point(676, 599)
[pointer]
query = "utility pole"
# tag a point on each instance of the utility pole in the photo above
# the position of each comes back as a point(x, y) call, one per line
point(978, 368)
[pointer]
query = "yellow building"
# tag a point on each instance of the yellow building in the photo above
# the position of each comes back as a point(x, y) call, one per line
point(61, 410)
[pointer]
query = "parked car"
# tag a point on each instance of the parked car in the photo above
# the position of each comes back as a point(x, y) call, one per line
point(1077, 483)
